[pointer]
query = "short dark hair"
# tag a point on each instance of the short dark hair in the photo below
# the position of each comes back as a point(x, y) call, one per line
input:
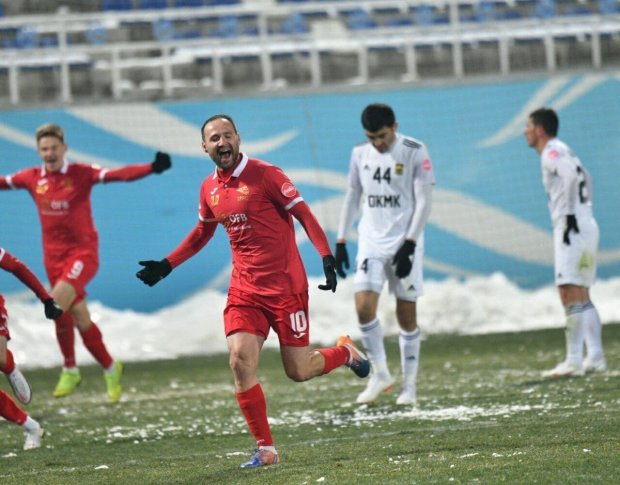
point(215, 117)
point(548, 119)
point(377, 115)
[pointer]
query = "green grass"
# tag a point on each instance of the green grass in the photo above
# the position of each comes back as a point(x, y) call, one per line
point(484, 416)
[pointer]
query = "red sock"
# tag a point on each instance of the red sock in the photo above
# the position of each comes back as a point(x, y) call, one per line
point(254, 408)
point(11, 411)
point(66, 338)
point(94, 343)
point(10, 363)
point(334, 357)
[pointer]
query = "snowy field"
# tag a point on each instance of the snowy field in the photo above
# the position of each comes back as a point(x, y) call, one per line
point(194, 327)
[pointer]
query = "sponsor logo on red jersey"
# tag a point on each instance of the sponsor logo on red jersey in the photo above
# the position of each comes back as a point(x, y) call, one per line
point(288, 189)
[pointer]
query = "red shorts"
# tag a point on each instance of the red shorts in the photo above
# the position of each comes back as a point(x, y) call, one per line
point(4, 320)
point(77, 270)
point(256, 314)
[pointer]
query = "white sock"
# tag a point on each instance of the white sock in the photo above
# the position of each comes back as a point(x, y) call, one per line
point(30, 424)
point(372, 338)
point(574, 334)
point(409, 343)
point(73, 370)
point(593, 330)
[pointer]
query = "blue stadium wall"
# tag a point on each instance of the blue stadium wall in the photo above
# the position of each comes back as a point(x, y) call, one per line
point(490, 213)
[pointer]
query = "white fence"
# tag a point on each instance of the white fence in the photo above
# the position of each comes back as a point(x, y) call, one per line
point(113, 54)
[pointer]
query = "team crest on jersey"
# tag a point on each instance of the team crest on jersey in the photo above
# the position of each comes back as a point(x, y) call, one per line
point(42, 187)
point(426, 164)
point(244, 192)
point(288, 189)
point(215, 200)
point(399, 168)
point(554, 154)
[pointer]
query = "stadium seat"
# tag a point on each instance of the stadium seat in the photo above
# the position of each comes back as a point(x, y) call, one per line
point(96, 34)
point(545, 9)
point(294, 24)
point(26, 37)
point(163, 30)
point(359, 19)
point(228, 27)
point(189, 3)
point(152, 4)
point(215, 3)
point(116, 5)
point(608, 7)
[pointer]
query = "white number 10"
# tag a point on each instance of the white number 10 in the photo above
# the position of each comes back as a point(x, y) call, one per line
point(298, 321)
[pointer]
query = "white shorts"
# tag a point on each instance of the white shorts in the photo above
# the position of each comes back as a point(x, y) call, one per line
point(575, 264)
point(371, 274)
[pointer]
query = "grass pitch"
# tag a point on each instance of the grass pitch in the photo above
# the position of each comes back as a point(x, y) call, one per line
point(484, 416)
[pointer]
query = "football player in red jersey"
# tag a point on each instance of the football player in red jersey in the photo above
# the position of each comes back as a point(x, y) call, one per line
point(8, 409)
point(61, 192)
point(255, 203)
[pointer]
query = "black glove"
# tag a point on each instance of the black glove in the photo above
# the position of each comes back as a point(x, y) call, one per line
point(571, 224)
point(331, 281)
point(403, 260)
point(161, 163)
point(52, 310)
point(342, 259)
point(154, 271)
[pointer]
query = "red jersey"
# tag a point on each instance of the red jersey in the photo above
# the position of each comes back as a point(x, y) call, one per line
point(254, 201)
point(63, 203)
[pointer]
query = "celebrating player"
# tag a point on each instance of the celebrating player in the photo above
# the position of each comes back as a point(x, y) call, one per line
point(575, 242)
point(254, 201)
point(395, 176)
point(8, 409)
point(61, 192)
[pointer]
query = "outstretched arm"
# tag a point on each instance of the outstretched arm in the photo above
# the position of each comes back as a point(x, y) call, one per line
point(137, 171)
point(154, 271)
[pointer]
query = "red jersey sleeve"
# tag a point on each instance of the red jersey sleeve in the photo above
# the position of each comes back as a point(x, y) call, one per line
point(197, 237)
point(301, 211)
point(125, 174)
point(13, 265)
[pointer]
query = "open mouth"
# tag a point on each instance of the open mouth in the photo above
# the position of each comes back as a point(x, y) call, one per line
point(225, 154)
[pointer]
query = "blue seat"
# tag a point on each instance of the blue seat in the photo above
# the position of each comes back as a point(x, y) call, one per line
point(578, 10)
point(424, 15)
point(485, 11)
point(215, 3)
point(294, 24)
point(152, 4)
point(163, 30)
point(116, 5)
point(189, 3)
point(359, 19)
point(96, 34)
point(399, 22)
point(228, 27)
point(608, 7)
point(26, 37)
point(545, 9)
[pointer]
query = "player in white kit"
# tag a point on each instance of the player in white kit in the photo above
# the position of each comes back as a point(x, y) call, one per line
point(393, 176)
point(575, 242)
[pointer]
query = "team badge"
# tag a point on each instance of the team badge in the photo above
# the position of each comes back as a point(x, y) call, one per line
point(399, 168)
point(244, 192)
point(42, 188)
point(426, 164)
point(288, 189)
point(215, 200)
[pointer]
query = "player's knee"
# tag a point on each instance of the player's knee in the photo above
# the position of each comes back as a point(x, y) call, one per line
point(297, 374)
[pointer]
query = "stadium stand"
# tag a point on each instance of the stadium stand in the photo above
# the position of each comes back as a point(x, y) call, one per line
point(124, 49)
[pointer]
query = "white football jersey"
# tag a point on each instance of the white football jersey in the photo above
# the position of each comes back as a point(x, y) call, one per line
point(386, 182)
point(567, 183)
